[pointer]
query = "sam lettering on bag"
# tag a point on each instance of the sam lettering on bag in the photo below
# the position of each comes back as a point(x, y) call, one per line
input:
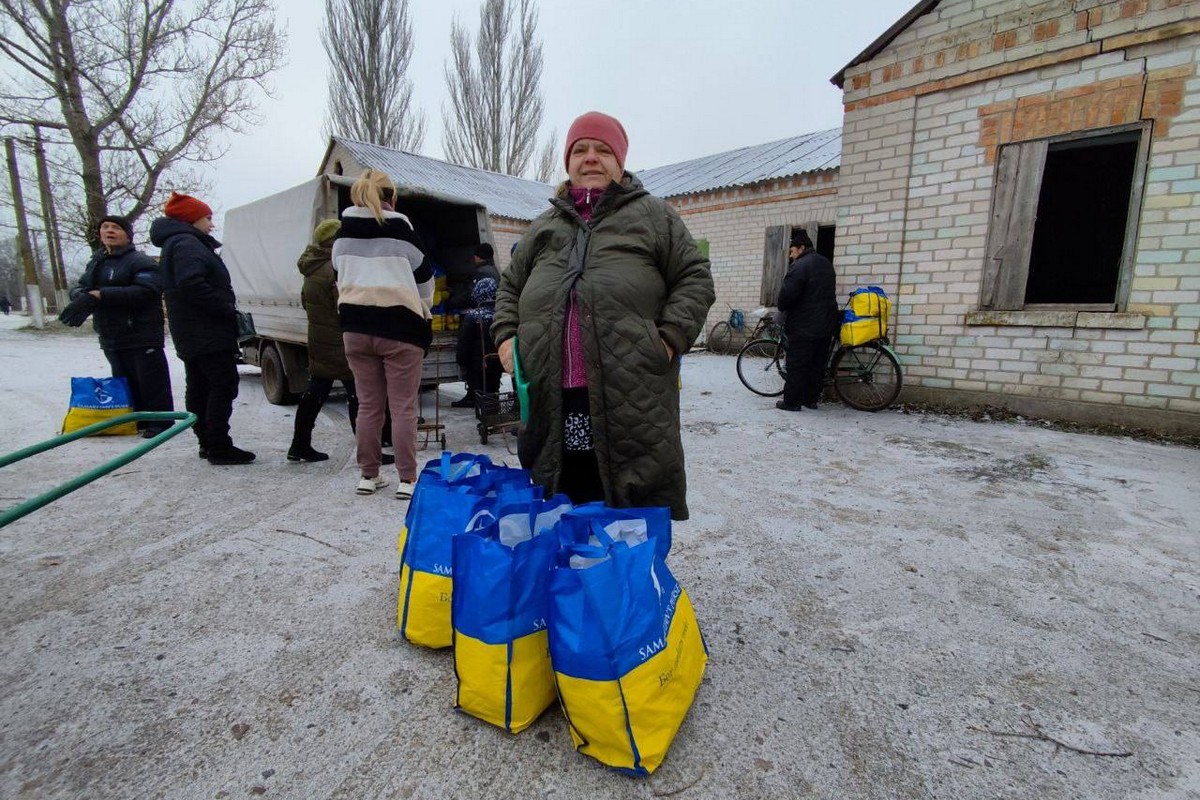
point(654, 647)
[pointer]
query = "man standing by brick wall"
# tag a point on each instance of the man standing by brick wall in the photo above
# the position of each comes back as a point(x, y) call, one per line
point(808, 298)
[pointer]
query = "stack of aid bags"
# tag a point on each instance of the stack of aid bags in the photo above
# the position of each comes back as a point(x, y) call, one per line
point(545, 601)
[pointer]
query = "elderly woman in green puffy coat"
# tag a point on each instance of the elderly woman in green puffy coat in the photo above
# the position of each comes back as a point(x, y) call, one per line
point(604, 292)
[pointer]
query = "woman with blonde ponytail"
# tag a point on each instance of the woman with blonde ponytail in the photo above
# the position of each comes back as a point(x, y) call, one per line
point(385, 289)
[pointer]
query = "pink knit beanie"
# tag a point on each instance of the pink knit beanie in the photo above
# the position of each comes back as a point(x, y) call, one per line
point(602, 127)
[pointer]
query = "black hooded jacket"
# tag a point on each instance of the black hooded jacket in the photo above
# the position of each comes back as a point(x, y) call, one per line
point(201, 306)
point(809, 297)
point(129, 314)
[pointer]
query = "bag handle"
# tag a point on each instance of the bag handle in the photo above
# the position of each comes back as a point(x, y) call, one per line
point(448, 473)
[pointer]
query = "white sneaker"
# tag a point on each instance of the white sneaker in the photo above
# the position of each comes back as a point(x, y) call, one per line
point(371, 485)
point(404, 490)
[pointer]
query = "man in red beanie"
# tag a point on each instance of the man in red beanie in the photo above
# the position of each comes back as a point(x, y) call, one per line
point(201, 310)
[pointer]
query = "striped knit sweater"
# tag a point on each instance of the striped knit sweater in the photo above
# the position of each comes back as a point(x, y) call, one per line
point(385, 283)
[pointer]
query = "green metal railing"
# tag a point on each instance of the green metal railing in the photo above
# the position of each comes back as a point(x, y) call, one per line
point(183, 421)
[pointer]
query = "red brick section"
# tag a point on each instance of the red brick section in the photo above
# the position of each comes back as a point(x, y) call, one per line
point(756, 194)
point(1164, 96)
point(687, 209)
point(1045, 30)
point(1002, 41)
point(1025, 31)
point(1133, 8)
point(1111, 44)
point(1156, 96)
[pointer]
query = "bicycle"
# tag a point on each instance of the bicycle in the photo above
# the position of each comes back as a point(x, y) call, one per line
point(720, 338)
point(866, 377)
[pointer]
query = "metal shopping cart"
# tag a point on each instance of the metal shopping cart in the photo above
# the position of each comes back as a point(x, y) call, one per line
point(499, 411)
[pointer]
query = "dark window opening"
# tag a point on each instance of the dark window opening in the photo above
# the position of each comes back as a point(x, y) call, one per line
point(1082, 214)
point(826, 234)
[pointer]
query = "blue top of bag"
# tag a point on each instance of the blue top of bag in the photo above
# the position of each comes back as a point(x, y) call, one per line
point(500, 591)
point(610, 617)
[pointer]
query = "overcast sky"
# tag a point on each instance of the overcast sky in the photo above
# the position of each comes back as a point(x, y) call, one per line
point(687, 78)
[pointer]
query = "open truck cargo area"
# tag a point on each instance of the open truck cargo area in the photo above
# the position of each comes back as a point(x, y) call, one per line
point(263, 241)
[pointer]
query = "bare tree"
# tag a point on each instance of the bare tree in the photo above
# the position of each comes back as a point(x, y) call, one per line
point(495, 105)
point(136, 87)
point(370, 46)
point(548, 160)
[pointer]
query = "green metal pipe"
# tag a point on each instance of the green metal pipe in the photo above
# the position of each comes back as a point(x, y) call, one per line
point(184, 420)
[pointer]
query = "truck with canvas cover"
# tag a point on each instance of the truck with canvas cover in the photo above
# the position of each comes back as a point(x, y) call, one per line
point(264, 239)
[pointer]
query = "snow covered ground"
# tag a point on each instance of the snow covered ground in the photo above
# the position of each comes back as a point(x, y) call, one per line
point(897, 606)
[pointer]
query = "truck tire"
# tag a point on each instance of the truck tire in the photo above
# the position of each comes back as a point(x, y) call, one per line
point(274, 379)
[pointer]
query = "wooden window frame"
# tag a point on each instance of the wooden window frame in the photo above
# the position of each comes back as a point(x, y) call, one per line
point(1018, 181)
point(775, 250)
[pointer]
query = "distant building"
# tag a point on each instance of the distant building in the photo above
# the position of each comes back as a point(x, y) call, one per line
point(1022, 177)
point(743, 205)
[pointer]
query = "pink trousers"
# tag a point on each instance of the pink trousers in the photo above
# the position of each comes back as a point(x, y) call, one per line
point(387, 374)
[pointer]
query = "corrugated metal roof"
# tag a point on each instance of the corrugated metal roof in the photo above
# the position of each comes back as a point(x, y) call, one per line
point(505, 195)
point(811, 152)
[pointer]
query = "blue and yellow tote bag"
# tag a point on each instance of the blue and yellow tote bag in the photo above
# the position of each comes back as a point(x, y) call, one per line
point(625, 645)
point(450, 491)
point(99, 400)
point(499, 607)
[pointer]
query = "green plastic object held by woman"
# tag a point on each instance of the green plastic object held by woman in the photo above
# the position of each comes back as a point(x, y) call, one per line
point(519, 381)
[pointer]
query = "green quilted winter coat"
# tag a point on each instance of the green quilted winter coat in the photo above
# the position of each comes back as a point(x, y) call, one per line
point(638, 279)
point(326, 353)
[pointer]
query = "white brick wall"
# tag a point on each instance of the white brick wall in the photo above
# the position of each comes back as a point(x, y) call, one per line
point(735, 223)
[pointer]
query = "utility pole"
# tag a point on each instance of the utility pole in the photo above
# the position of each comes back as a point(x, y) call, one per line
point(50, 223)
point(33, 292)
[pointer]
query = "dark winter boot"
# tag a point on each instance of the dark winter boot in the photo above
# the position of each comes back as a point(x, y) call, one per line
point(306, 419)
point(302, 451)
point(229, 456)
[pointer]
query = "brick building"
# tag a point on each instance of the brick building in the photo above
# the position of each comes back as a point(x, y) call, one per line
point(1023, 177)
point(743, 204)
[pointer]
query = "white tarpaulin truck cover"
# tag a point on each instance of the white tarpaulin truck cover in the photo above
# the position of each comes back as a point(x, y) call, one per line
point(264, 239)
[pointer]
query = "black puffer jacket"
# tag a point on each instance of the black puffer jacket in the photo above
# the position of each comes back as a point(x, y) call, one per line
point(200, 300)
point(638, 280)
point(129, 313)
point(809, 297)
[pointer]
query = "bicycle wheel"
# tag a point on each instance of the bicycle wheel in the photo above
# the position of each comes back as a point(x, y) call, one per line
point(760, 367)
point(719, 338)
point(866, 376)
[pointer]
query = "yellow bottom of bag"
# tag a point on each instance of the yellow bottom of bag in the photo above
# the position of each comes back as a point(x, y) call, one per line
point(423, 604)
point(484, 672)
point(649, 702)
point(82, 417)
point(862, 331)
